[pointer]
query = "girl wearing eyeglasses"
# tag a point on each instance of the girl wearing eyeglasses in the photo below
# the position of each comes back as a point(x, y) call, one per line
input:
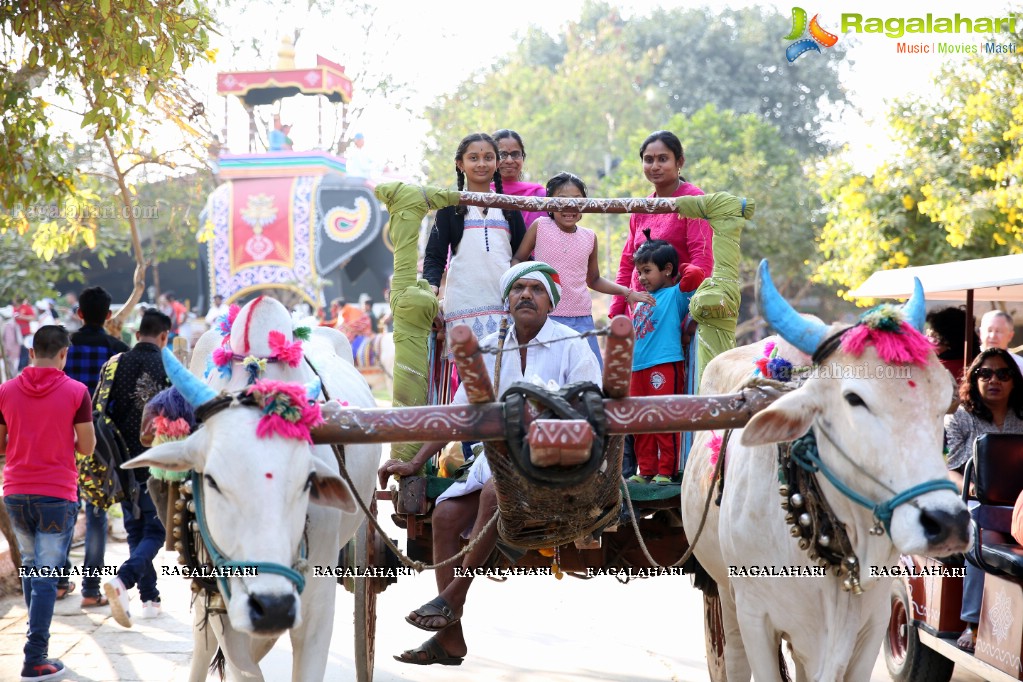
point(511, 156)
point(991, 396)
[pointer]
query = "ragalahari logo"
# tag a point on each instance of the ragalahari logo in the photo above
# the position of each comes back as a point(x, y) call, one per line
point(818, 36)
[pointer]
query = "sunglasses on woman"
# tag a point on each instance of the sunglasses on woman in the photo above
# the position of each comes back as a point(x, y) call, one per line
point(985, 373)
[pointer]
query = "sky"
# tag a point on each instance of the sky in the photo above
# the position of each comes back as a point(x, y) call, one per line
point(445, 41)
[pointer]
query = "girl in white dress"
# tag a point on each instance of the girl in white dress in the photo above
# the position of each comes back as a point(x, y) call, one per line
point(481, 242)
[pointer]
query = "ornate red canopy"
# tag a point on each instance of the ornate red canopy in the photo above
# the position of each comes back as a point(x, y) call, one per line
point(266, 87)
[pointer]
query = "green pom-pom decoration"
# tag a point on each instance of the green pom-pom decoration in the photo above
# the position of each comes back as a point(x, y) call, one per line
point(302, 333)
point(885, 317)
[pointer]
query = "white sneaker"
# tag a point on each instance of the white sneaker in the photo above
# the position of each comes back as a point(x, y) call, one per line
point(117, 593)
point(150, 609)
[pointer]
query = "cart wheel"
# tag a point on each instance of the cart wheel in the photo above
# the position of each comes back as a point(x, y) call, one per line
point(714, 636)
point(907, 658)
point(365, 603)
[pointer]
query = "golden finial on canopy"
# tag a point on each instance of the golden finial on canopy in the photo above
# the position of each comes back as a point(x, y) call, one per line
point(286, 54)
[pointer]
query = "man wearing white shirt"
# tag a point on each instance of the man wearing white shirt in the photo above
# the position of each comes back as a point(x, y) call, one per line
point(996, 331)
point(540, 350)
point(218, 309)
point(359, 162)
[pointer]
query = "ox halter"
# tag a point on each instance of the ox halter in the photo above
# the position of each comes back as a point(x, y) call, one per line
point(812, 519)
point(221, 564)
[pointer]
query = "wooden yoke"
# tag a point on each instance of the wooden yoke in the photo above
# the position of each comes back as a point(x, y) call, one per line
point(569, 442)
point(659, 414)
point(483, 418)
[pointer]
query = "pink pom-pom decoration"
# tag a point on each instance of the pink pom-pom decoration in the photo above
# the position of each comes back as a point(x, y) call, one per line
point(902, 347)
point(714, 445)
point(768, 349)
point(283, 350)
point(171, 428)
point(222, 356)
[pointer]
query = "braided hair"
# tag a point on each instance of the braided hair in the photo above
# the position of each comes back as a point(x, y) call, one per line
point(463, 146)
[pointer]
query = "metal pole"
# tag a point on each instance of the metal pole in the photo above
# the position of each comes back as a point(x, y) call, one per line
point(971, 348)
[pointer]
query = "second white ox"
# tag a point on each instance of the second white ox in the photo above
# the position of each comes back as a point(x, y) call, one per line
point(266, 497)
point(879, 431)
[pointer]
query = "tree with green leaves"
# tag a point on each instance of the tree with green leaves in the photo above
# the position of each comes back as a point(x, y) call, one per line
point(115, 71)
point(734, 59)
point(952, 190)
point(576, 114)
point(577, 96)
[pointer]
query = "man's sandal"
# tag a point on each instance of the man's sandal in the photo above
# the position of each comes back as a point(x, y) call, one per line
point(429, 652)
point(65, 591)
point(93, 602)
point(435, 608)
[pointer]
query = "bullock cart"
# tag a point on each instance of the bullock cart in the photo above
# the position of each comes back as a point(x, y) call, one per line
point(638, 535)
point(588, 520)
point(926, 598)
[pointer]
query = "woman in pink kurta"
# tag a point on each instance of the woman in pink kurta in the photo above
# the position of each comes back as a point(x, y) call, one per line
point(511, 157)
point(663, 159)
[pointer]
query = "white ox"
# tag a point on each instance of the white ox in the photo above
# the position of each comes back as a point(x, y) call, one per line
point(259, 493)
point(889, 427)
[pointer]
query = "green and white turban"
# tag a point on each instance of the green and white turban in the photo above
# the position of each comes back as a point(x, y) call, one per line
point(531, 269)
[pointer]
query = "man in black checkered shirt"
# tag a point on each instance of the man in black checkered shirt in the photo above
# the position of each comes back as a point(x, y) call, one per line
point(91, 346)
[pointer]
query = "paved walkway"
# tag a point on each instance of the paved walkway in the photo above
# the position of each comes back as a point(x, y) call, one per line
point(95, 648)
point(528, 628)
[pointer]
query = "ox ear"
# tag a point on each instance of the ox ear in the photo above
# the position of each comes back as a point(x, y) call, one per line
point(786, 419)
point(329, 490)
point(178, 455)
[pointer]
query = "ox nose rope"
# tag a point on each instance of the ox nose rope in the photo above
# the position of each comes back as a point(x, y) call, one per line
point(224, 565)
point(808, 458)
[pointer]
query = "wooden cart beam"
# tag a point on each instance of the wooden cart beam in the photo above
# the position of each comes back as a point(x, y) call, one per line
point(581, 204)
point(486, 421)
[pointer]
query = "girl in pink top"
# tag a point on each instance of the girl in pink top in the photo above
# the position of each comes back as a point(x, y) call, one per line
point(571, 249)
point(663, 159)
point(511, 156)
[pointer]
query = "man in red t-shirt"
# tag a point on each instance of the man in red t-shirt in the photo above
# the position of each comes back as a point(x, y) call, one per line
point(44, 417)
point(24, 314)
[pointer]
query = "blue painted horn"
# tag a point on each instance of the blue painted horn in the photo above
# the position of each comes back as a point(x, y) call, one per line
point(188, 385)
point(914, 307)
point(804, 334)
point(312, 389)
